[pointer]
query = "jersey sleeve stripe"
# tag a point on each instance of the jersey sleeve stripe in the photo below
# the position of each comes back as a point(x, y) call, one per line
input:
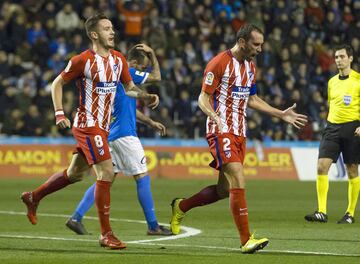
point(88, 141)
point(218, 151)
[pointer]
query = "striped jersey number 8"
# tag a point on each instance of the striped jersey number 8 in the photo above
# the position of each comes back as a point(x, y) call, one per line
point(226, 143)
point(98, 141)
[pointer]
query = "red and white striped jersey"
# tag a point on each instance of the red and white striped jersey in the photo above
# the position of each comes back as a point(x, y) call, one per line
point(97, 78)
point(230, 82)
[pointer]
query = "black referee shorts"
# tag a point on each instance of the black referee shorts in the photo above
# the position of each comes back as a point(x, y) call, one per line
point(340, 138)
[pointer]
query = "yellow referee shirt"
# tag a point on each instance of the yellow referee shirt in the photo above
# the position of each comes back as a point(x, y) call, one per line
point(344, 98)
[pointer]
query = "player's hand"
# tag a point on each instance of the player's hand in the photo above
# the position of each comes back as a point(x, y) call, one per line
point(61, 119)
point(216, 118)
point(144, 48)
point(152, 100)
point(159, 127)
point(297, 120)
point(357, 131)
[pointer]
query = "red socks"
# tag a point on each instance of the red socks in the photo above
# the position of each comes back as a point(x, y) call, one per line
point(102, 201)
point(239, 211)
point(238, 207)
point(56, 182)
point(206, 196)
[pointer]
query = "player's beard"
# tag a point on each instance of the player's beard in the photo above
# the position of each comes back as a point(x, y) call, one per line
point(247, 53)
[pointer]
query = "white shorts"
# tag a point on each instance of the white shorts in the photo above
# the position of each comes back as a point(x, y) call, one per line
point(128, 156)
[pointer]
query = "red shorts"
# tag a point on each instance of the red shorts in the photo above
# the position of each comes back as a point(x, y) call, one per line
point(92, 142)
point(226, 148)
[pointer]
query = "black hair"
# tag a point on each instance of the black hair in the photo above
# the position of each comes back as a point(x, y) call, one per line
point(348, 48)
point(245, 31)
point(136, 54)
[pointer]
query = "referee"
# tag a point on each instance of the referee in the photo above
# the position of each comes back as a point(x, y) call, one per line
point(341, 135)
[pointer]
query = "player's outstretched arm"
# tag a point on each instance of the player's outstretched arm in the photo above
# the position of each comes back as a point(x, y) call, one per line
point(357, 131)
point(288, 115)
point(205, 106)
point(151, 123)
point(152, 100)
point(56, 94)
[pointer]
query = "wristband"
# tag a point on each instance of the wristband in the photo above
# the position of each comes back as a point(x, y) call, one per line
point(59, 112)
point(59, 115)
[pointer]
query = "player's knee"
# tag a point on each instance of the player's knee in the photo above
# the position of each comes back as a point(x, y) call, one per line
point(322, 168)
point(77, 173)
point(222, 192)
point(222, 189)
point(352, 170)
point(105, 175)
point(76, 176)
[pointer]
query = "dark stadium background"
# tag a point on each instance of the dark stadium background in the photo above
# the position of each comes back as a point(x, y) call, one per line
point(38, 37)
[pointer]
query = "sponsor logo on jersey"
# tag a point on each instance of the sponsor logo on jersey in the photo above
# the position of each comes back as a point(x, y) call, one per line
point(209, 78)
point(347, 99)
point(240, 92)
point(106, 87)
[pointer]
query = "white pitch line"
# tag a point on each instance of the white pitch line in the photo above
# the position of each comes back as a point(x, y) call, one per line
point(48, 238)
point(295, 252)
point(188, 231)
point(149, 242)
point(299, 252)
point(311, 253)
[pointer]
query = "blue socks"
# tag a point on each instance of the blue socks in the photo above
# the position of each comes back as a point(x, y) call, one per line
point(85, 204)
point(144, 195)
point(146, 201)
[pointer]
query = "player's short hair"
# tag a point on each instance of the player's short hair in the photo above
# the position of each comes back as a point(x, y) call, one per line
point(136, 54)
point(91, 22)
point(349, 50)
point(245, 31)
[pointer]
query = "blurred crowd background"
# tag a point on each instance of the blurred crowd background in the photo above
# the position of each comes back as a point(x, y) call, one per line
point(37, 38)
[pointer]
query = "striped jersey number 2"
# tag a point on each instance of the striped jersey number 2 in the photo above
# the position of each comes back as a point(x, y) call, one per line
point(226, 143)
point(98, 141)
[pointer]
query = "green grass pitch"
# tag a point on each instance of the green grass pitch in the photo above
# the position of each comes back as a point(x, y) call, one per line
point(276, 211)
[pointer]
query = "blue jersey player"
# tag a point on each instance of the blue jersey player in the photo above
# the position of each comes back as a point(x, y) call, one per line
point(127, 152)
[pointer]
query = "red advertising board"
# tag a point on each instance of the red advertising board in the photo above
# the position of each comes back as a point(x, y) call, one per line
point(167, 162)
